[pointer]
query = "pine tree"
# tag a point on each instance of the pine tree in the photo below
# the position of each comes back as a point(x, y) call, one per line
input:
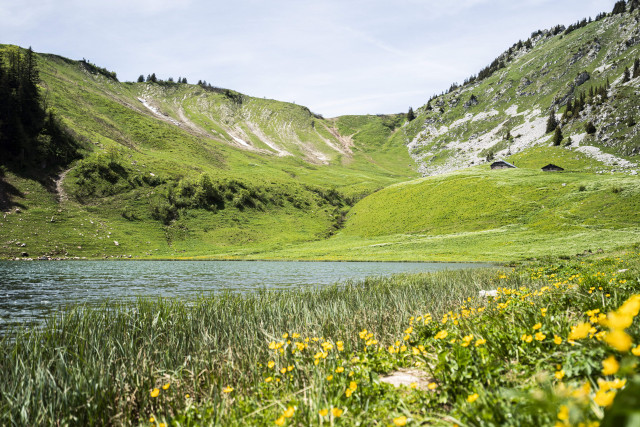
point(568, 112)
point(590, 128)
point(141, 79)
point(619, 7)
point(552, 123)
point(568, 142)
point(410, 115)
point(557, 136)
point(626, 75)
point(153, 78)
point(184, 80)
point(636, 68)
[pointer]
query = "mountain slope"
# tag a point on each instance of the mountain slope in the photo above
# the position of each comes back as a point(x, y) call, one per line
point(179, 170)
point(177, 167)
point(507, 111)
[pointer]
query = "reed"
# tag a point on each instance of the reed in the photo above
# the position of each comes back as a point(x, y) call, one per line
point(91, 365)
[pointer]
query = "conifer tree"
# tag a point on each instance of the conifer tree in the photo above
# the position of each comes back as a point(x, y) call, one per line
point(552, 123)
point(626, 75)
point(410, 115)
point(141, 79)
point(619, 7)
point(557, 136)
point(568, 142)
point(636, 68)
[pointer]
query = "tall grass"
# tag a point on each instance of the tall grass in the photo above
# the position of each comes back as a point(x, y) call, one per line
point(91, 365)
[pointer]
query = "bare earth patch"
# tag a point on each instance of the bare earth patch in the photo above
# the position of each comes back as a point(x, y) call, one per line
point(406, 377)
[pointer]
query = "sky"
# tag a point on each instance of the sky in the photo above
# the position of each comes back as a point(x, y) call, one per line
point(336, 57)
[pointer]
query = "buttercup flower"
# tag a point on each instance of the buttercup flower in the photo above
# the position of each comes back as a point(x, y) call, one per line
point(610, 366)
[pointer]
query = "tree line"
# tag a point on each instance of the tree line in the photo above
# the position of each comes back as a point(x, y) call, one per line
point(30, 134)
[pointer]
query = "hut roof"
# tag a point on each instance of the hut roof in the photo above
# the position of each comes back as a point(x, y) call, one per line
point(502, 163)
point(552, 167)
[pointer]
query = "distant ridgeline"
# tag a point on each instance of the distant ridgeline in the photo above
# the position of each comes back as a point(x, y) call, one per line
point(30, 134)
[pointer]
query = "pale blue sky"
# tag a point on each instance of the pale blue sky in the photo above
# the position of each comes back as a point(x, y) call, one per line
point(336, 57)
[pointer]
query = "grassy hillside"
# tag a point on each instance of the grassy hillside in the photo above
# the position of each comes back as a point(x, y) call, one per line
point(182, 170)
point(483, 214)
point(177, 167)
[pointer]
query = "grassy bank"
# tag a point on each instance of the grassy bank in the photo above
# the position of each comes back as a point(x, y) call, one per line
point(315, 356)
point(93, 364)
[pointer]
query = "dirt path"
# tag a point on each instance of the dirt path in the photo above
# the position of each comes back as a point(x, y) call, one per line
point(62, 195)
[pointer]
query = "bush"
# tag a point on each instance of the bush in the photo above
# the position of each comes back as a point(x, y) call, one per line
point(590, 128)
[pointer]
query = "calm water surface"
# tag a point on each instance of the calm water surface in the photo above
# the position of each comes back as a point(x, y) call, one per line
point(31, 290)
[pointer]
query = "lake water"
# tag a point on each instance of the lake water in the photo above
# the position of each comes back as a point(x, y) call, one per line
point(31, 290)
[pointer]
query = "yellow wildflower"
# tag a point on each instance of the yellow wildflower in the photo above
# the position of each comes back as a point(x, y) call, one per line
point(162, 425)
point(329, 377)
point(466, 340)
point(619, 340)
point(337, 412)
point(631, 307)
point(604, 398)
point(527, 338)
point(413, 385)
point(540, 336)
point(619, 321)
point(339, 369)
point(166, 386)
point(227, 389)
point(289, 412)
point(348, 392)
point(323, 412)
point(155, 392)
point(268, 379)
point(472, 397)
point(610, 366)
point(152, 420)
point(280, 421)
point(271, 364)
point(441, 335)
point(559, 374)
point(537, 326)
point(636, 351)
point(480, 342)
point(580, 331)
point(563, 413)
point(432, 386)
point(187, 395)
point(353, 385)
point(543, 311)
point(400, 421)
point(557, 340)
point(283, 370)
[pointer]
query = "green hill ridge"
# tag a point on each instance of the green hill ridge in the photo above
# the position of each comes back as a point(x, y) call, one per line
point(176, 170)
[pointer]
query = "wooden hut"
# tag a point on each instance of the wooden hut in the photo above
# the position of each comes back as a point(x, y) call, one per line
point(552, 168)
point(501, 164)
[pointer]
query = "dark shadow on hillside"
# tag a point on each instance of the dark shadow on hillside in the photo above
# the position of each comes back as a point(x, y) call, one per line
point(8, 196)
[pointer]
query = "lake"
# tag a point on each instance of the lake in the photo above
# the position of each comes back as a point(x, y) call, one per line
point(29, 291)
